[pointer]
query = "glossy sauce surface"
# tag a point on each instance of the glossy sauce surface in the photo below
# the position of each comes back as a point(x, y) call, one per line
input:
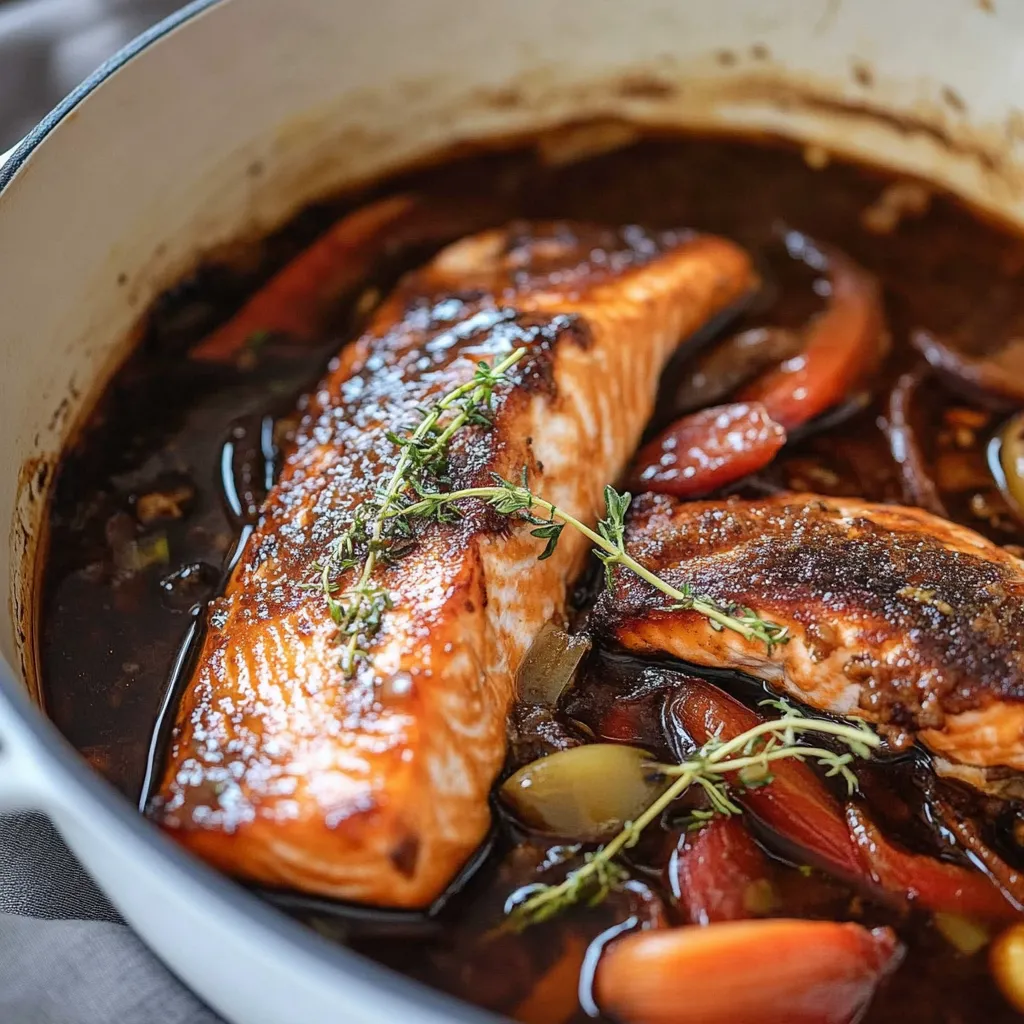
point(152, 502)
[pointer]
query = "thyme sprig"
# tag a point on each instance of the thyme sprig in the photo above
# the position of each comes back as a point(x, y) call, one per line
point(512, 499)
point(380, 528)
point(358, 611)
point(747, 758)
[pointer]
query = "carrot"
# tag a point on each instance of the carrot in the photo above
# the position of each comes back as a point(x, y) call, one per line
point(842, 347)
point(797, 806)
point(720, 873)
point(294, 301)
point(935, 884)
point(554, 999)
point(707, 450)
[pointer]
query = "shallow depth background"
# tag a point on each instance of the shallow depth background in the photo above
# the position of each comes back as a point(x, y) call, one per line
point(48, 46)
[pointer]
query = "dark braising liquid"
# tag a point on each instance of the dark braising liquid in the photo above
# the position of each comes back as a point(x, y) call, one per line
point(153, 499)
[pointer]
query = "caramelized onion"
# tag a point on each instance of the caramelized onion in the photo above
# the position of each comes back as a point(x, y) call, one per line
point(996, 380)
point(746, 972)
point(586, 793)
point(918, 486)
point(732, 362)
point(550, 665)
point(1006, 460)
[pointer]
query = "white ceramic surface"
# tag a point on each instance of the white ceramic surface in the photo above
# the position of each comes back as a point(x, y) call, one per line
point(226, 120)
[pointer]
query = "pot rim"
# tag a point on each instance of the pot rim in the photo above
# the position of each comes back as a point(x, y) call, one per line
point(72, 773)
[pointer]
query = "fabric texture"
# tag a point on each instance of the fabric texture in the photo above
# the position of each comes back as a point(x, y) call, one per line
point(65, 955)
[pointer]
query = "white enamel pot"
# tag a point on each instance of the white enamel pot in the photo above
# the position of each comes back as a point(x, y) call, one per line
point(224, 120)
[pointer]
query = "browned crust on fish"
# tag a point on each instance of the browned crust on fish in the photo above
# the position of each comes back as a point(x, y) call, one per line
point(375, 788)
point(894, 614)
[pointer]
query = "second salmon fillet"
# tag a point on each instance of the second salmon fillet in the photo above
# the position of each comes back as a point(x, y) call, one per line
point(285, 769)
point(894, 615)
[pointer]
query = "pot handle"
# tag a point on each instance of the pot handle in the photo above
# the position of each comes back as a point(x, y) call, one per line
point(23, 782)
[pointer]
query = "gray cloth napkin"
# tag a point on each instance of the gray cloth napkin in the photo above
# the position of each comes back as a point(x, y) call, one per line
point(65, 955)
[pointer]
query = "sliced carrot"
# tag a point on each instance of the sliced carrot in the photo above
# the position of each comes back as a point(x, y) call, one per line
point(719, 873)
point(934, 884)
point(798, 807)
point(841, 347)
point(796, 804)
point(294, 301)
point(555, 996)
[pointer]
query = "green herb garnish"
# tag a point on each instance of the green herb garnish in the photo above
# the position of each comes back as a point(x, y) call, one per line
point(749, 756)
point(358, 611)
point(380, 529)
point(512, 499)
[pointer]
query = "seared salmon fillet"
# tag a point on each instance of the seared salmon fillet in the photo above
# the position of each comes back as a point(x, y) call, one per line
point(894, 615)
point(282, 768)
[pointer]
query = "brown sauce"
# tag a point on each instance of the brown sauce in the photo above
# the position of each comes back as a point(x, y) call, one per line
point(151, 501)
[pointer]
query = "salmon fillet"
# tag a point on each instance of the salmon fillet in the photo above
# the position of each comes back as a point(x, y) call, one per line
point(895, 615)
point(375, 788)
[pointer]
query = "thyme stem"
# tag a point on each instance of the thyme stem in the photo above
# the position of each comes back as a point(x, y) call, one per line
point(510, 497)
point(706, 768)
point(365, 602)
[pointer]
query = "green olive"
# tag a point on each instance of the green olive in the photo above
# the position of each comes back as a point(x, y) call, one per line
point(586, 793)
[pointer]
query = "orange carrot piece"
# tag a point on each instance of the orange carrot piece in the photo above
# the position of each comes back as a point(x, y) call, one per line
point(293, 302)
point(555, 998)
point(796, 804)
point(842, 346)
point(719, 873)
point(931, 883)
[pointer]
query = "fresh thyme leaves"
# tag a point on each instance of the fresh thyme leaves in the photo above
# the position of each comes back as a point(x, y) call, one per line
point(512, 499)
point(602, 877)
point(380, 526)
point(747, 757)
point(370, 537)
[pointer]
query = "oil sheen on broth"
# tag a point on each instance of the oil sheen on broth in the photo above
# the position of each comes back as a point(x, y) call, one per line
point(152, 499)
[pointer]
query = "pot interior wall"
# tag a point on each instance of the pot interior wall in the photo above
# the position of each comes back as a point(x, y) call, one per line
point(249, 110)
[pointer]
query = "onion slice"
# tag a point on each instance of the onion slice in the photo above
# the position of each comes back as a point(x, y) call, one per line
point(550, 665)
point(996, 380)
point(918, 486)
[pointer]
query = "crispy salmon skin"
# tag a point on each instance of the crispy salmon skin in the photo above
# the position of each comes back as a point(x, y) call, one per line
point(375, 788)
point(894, 615)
